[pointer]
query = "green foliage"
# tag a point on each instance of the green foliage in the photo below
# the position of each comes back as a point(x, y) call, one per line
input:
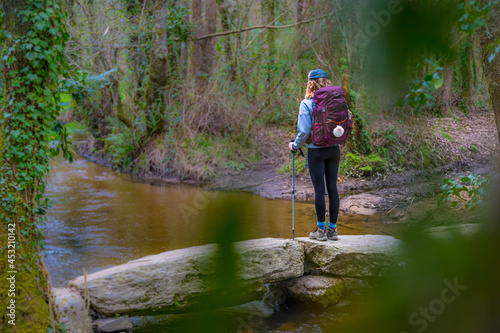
point(389, 149)
point(356, 165)
point(300, 166)
point(423, 95)
point(359, 142)
point(34, 64)
point(472, 14)
point(177, 29)
point(471, 190)
point(494, 52)
point(234, 165)
point(118, 146)
point(75, 127)
point(449, 137)
point(60, 142)
point(84, 85)
point(87, 92)
point(30, 108)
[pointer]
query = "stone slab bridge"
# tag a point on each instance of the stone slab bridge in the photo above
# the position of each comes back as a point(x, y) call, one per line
point(176, 281)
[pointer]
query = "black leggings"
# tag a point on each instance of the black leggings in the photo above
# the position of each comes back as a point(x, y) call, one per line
point(324, 165)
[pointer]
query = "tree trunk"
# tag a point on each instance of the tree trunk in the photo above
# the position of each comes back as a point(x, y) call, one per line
point(447, 83)
point(299, 46)
point(299, 13)
point(136, 56)
point(208, 46)
point(197, 55)
point(184, 47)
point(202, 58)
point(158, 73)
point(28, 289)
point(103, 66)
point(491, 36)
point(224, 13)
point(466, 55)
point(268, 12)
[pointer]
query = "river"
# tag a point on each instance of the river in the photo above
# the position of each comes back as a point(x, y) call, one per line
point(100, 218)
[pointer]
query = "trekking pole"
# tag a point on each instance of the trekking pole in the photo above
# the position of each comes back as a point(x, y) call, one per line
point(293, 192)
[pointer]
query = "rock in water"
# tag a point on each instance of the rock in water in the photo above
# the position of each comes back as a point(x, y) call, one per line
point(457, 230)
point(176, 280)
point(355, 256)
point(314, 289)
point(110, 325)
point(255, 307)
point(72, 311)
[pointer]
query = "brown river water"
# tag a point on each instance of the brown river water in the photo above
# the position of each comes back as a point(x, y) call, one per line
point(100, 218)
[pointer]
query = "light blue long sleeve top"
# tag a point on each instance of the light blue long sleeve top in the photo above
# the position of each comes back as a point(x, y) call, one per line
point(304, 124)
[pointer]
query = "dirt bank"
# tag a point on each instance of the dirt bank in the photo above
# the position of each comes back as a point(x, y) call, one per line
point(472, 140)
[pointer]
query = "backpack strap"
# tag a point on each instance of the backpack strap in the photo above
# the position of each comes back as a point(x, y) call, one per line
point(313, 114)
point(336, 122)
point(314, 111)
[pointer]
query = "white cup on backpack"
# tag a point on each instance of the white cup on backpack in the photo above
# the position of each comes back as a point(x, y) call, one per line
point(338, 131)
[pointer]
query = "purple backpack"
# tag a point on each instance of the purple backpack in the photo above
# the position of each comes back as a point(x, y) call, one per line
point(331, 121)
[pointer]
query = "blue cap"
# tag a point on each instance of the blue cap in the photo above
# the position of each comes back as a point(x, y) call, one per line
point(317, 73)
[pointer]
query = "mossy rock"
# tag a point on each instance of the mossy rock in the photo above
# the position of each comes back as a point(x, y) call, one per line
point(319, 290)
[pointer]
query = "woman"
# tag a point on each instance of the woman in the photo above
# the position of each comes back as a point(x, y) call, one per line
point(323, 161)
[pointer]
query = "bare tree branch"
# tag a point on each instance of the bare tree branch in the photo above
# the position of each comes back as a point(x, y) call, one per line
point(264, 26)
point(276, 19)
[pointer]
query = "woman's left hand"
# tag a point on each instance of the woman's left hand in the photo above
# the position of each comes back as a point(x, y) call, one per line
point(290, 146)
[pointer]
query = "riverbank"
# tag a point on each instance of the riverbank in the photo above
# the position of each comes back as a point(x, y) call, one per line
point(468, 142)
point(403, 198)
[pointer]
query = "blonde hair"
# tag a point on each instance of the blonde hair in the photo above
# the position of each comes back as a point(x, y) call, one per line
point(315, 84)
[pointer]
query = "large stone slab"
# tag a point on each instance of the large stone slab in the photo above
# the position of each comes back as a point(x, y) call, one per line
point(174, 281)
point(269, 260)
point(71, 310)
point(355, 256)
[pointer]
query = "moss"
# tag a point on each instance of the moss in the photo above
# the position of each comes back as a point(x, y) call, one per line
point(316, 294)
point(331, 296)
point(32, 309)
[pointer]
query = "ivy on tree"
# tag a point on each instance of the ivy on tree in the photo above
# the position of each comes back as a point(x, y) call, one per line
point(34, 67)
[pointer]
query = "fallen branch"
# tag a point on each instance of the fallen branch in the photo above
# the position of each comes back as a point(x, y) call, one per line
point(264, 26)
point(390, 210)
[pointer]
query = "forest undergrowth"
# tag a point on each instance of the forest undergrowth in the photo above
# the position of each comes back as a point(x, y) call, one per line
point(200, 97)
point(420, 142)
